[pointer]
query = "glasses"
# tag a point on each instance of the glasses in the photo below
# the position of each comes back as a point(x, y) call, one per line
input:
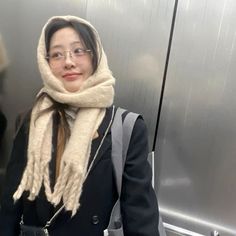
point(58, 57)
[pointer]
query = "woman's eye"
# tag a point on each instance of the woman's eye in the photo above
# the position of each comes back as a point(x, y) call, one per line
point(79, 51)
point(56, 55)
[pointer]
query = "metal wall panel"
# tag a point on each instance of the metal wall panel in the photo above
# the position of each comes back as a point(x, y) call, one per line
point(135, 34)
point(196, 139)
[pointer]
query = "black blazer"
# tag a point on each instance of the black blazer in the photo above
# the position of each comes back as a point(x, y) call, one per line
point(138, 201)
point(3, 125)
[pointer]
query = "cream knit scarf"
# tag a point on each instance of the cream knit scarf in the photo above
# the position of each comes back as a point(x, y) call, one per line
point(95, 95)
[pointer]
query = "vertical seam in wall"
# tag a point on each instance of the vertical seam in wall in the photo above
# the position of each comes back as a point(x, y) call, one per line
point(165, 73)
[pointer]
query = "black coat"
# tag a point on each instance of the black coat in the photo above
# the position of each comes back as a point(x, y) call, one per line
point(3, 125)
point(138, 201)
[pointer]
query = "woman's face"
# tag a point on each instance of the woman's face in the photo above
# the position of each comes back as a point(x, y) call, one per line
point(68, 60)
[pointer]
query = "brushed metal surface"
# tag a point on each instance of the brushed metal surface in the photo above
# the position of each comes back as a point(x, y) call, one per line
point(196, 139)
point(173, 230)
point(135, 35)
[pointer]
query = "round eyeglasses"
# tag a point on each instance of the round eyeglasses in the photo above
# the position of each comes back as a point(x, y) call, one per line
point(57, 57)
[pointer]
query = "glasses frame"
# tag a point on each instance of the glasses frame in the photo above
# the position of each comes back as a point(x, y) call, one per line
point(72, 55)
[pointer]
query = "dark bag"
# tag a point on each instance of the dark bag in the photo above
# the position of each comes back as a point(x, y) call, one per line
point(33, 231)
point(27, 230)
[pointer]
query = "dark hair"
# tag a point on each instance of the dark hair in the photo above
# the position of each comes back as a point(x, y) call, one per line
point(60, 118)
point(85, 32)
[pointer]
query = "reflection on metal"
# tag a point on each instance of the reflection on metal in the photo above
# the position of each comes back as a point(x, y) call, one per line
point(3, 56)
point(135, 36)
point(197, 132)
point(170, 182)
point(195, 221)
point(180, 231)
point(152, 163)
point(215, 233)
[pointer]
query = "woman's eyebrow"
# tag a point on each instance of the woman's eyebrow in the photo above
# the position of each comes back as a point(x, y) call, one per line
point(59, 46)
point(76, 42)
point(56, 46)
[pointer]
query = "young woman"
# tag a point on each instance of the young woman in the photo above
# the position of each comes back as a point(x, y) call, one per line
point(61, 156)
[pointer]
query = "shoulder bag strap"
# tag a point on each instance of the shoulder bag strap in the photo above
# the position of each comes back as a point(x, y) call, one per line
point(117, 144)
point(120, 134)
point(128, 126)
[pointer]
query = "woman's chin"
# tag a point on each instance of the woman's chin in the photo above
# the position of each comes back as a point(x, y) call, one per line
point(72, 86)
point(72, 89)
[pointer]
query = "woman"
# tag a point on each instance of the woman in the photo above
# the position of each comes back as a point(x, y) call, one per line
point(61, 156)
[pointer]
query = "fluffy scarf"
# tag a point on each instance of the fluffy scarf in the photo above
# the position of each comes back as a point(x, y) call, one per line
point(94, 96)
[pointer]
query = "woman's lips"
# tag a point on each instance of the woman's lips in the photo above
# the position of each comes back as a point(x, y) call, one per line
point(71, 76)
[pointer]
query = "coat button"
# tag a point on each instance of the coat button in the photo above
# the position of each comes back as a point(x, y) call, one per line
point(95, 220)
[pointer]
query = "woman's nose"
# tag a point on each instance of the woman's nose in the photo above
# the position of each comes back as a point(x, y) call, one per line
point(69, 62)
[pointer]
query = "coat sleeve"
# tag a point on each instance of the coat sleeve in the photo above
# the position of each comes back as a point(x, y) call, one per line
point(10, 212)
point(139, 207)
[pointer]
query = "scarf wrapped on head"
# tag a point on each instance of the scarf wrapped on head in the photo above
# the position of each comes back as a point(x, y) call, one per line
point(94, 96)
